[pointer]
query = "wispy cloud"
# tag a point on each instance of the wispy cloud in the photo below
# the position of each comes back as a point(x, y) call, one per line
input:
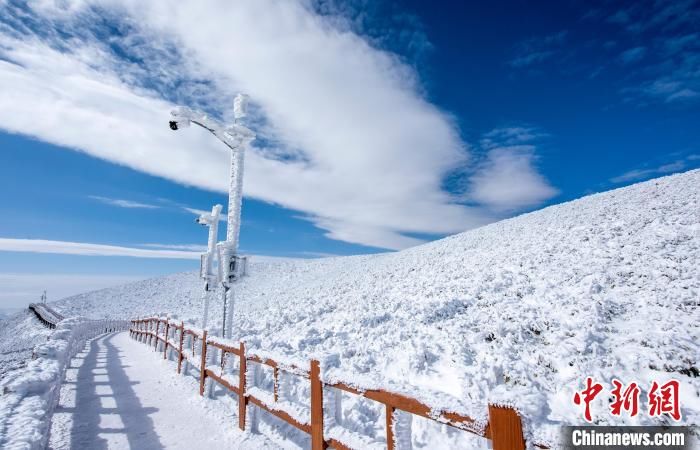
point(511, 136)
point(663, 169)
point(633, 55)
point(88, 249)
point(539, 49)
point(123, 203)
point(187, 247)
point(669, 89)
point(670, 72)
point(531, 57)
point(507, 179)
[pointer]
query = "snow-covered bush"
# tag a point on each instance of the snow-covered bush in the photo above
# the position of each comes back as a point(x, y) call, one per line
point(29, 395)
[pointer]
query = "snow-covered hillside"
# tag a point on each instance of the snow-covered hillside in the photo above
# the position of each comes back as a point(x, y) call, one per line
point(521, 310)
point(19, 333)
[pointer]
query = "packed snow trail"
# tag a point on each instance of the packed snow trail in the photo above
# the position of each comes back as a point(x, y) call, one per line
point(118, 394)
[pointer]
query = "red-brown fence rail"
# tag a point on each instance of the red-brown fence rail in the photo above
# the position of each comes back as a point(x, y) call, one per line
point(504, 427)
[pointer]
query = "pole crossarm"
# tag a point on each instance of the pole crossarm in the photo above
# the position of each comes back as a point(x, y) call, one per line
point(235, 136)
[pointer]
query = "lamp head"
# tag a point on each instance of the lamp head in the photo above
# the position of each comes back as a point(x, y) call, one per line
point(180, 118)
point(204, 220)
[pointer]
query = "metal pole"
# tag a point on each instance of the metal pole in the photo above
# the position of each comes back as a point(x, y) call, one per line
point(223, 325)
point(233, 229)
point(235, 196)
point(229, 319)
point(205, 298)
point(213, 223)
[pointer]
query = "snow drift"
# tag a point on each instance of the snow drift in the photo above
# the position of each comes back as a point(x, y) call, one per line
point(520, 311)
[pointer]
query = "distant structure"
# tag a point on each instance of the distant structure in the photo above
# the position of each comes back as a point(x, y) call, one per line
point(46, 315)
point(43, 297)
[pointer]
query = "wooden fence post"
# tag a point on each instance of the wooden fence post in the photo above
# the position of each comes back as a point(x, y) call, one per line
point(242, 399)
point(182, 341)
point(203, 367)
point(506, 428)
point(317, 441)
point(390, 441)
point(167, 336)
point(156, 336)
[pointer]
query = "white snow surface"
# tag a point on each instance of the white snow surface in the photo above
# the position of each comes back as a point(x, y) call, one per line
point(516, 312)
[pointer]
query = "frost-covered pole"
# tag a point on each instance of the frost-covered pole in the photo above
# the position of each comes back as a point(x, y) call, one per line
point(210, 278)
point(229, 249)
point(236, 137)
point(235, 193)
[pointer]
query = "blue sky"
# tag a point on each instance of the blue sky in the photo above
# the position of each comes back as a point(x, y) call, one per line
point(380, 125)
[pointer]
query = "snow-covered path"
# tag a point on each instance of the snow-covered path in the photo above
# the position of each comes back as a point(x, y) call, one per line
point(118, 394)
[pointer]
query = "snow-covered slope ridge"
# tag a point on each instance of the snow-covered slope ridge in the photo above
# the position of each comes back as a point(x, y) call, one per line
point(522, 310)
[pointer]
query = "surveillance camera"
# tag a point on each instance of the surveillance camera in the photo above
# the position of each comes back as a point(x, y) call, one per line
point(173, 125)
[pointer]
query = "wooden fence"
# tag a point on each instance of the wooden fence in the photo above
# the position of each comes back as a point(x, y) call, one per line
point(504, 427)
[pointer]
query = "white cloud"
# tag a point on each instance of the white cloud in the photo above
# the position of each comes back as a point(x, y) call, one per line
point(640, 174)
point(20, 289)
point(83, 248)
point(508, 179)
point(123, 203)
point(187, 247)
point(364, 154)
point(508, 136)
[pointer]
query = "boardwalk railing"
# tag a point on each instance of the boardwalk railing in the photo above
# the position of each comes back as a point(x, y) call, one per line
point(29, 395)
point(503, 428)
point(48, 317)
